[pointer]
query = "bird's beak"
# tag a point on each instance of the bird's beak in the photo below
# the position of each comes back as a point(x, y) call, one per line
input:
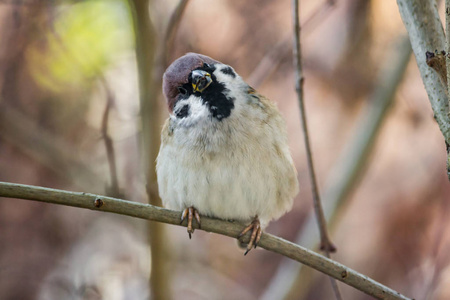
point(200, 80)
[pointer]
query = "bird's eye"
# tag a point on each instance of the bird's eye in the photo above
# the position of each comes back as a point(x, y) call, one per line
point(207, 66)
point(182, 90)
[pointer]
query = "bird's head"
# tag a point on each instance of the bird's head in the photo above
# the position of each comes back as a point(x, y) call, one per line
point(198, 87)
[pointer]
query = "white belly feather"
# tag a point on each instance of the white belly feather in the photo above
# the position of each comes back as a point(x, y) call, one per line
point(237, 182)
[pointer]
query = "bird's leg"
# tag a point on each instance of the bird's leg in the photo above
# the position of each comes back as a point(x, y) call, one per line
point(255, 226)
point(190, 213)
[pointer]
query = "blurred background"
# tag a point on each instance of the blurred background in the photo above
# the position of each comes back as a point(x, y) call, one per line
point(71, 118)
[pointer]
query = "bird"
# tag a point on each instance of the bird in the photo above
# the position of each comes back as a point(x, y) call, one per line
point(224, 150)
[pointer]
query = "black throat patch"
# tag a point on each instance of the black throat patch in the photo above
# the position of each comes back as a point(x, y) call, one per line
point(214, 96)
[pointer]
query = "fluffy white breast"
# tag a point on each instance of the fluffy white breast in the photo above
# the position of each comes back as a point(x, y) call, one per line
point(234, 168)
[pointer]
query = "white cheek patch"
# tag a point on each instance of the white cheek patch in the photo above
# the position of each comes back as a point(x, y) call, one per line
point(227, 79)
point(198, 112)
point(236, 87)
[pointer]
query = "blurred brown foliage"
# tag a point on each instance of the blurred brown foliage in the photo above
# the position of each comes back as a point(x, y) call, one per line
point(58, 63)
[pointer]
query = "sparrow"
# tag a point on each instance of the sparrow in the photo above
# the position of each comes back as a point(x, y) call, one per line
point(224, 150)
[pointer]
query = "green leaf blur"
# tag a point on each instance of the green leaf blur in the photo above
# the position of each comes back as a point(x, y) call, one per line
point(86, 39)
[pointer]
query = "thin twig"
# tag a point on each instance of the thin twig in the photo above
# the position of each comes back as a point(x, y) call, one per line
point(325, 243)
point(227, 228)
point(333, 282)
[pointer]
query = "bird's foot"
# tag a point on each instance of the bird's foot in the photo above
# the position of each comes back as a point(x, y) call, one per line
point(255, 226)
point(190, 213)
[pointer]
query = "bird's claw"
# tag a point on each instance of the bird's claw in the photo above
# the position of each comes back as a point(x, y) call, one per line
point(255, 226)
point(190, 213)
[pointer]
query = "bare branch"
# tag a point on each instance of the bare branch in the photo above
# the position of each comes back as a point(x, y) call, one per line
point(447, 44)
point(421, 19)
point(447, 63)
point(326, 244)
point(231, 229)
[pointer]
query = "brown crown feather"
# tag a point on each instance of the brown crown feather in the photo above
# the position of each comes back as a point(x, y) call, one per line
point(178, 72)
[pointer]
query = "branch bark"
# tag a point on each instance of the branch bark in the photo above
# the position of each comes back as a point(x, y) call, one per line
point(426, 33)
point(447, 63)
point(447, 43)
point(231, 229)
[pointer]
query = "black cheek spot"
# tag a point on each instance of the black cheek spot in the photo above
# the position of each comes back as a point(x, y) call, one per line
point(215, 113)
point(182, 112)
point(221, 109)
point(228, 71)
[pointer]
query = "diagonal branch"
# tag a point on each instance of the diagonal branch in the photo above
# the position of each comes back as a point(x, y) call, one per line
point(231, 229)
point(421, 19)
